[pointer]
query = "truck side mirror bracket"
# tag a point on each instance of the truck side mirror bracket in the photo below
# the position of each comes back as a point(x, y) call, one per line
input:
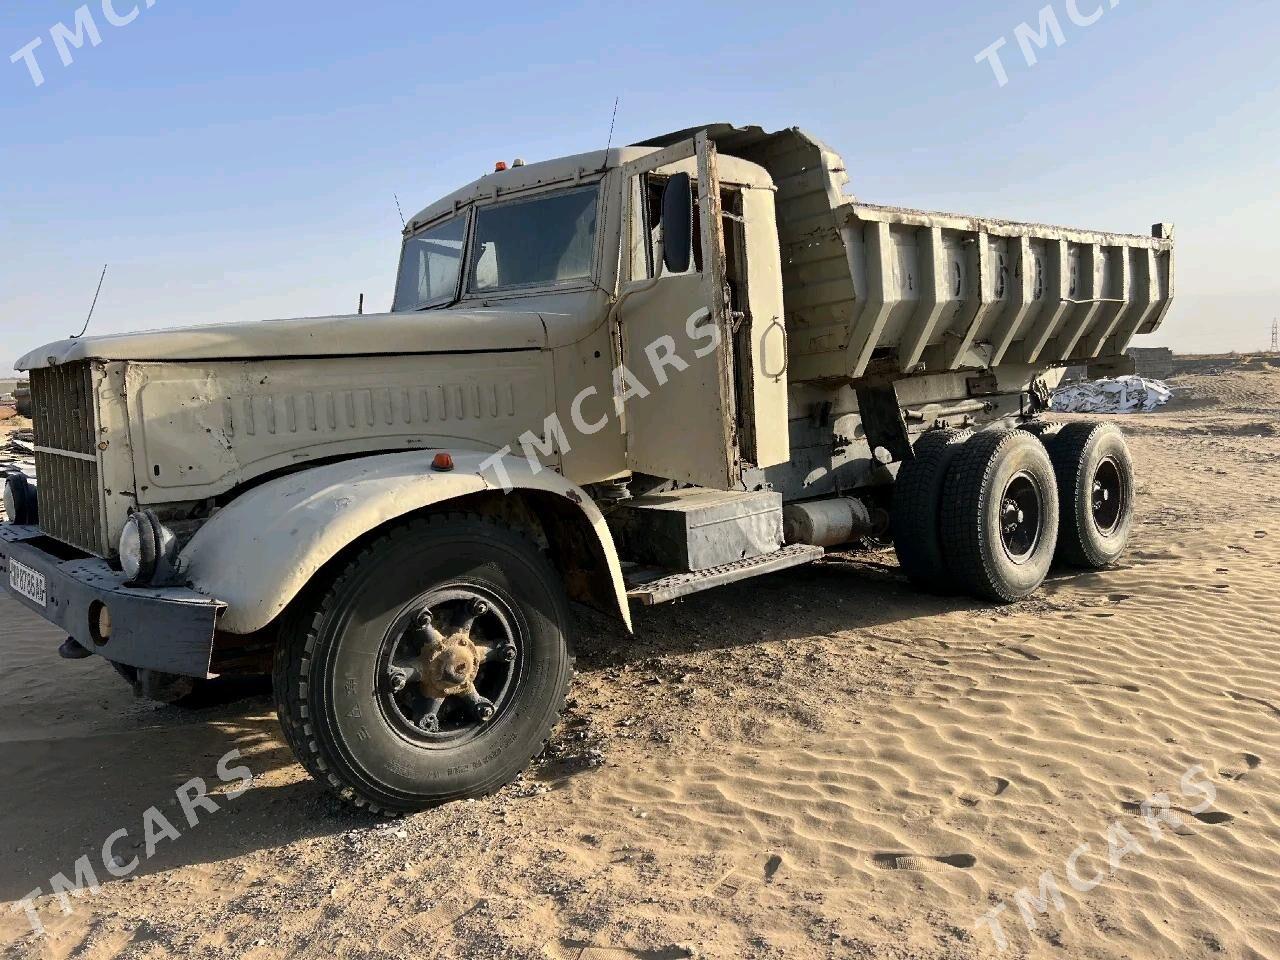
point(677, 223)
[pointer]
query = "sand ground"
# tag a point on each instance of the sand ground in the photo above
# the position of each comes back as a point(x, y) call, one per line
point(817, 764)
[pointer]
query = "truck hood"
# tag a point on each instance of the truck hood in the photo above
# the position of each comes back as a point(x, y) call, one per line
point(433, 331)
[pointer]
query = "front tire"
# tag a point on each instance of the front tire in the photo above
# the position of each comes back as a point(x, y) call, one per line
point(1000, 515)
point(1096, 491)
point(432, 669)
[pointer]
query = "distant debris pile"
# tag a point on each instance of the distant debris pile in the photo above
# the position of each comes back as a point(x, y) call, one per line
point(1120, 395)
point(17, 455)
point(18, 452)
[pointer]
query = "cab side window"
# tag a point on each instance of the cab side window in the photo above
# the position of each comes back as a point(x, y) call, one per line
point(648, 194)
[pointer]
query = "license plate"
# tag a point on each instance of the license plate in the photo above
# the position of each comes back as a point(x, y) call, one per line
point(30, 583)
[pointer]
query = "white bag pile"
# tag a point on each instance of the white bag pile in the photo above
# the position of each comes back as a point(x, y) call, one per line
point(1119, 395)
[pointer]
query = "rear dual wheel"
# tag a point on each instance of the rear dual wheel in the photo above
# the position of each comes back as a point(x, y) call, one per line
point(915, 520)
point(988, 513)
point(999, 520)
point(1095, 488)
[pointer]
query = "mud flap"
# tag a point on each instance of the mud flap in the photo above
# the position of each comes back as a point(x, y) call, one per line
point(883, 421)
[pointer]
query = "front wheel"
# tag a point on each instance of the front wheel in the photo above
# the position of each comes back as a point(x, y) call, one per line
point(432, 669)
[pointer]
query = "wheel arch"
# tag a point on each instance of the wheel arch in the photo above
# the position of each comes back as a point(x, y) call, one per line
point(261, 552)
point(559, 524)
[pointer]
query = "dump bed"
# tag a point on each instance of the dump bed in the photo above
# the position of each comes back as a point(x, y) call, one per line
point(899, 292)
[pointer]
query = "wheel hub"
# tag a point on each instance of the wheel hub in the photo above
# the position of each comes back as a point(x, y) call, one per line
point(449, 667)
point(1020, 517)
point(1107, 496)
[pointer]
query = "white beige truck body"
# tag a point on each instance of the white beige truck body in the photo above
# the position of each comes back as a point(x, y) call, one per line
point(806, 307)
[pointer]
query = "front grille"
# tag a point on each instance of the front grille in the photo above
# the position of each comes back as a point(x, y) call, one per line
point(66, 459)
point(62, 407)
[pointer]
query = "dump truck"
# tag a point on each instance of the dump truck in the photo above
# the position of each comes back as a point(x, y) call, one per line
point(615, 379)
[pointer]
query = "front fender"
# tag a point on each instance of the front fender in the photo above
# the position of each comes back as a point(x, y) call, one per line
point(259, 551)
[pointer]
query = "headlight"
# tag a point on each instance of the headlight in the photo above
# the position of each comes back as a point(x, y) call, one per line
point(20, 500)
point(140, 547)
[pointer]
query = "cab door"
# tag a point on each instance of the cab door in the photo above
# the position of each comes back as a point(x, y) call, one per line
point(676, 381)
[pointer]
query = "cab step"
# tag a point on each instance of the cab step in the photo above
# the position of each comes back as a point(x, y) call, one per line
point(649, 585)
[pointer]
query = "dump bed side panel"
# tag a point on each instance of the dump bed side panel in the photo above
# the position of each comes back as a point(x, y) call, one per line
point(937, 292)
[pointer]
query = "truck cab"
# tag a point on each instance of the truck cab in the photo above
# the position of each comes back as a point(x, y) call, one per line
point(580, 242)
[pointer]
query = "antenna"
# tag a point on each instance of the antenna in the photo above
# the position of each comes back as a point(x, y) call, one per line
point(77, 336)
point(604, 165)
point(612, 120)
point(403, 225)
point(1275, 336)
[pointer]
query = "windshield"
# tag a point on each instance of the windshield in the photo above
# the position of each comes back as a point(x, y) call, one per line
point(545, 240)
point(429, 266)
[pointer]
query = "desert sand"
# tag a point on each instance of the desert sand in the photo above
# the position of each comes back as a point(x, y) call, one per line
point(822, 763)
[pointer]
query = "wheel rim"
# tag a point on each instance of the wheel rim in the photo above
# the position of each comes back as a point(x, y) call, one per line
point(448, 665)
point(1021, 513)
point(1106, 496)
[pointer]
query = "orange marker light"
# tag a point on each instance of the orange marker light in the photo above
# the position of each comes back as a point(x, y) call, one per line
point(442, 462)
point(500, 166)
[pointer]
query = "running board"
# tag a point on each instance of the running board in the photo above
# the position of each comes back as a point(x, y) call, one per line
point(648, 586)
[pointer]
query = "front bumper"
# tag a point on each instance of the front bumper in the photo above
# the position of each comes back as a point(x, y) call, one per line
point(168, 629)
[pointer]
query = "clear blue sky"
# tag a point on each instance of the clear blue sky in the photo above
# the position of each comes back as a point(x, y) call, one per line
point(237, 160)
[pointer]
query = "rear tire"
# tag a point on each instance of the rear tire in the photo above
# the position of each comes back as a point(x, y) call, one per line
point(1000, 515)
point(915, 519)
point(373, 714)
point(1096, 491)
